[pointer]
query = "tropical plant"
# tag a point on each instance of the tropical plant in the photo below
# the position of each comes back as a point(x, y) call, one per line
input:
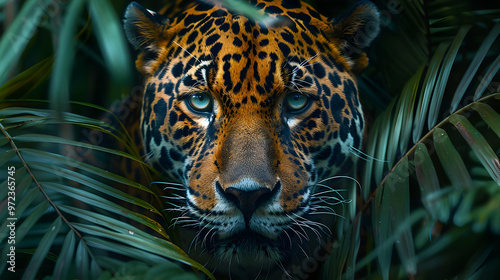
point(430, 174)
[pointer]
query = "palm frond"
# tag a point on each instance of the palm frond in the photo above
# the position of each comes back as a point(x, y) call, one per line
point(18, 35)
point(49, 183)
point(448, 178)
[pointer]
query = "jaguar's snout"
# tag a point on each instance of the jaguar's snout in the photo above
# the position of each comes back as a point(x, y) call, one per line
point(248, 195)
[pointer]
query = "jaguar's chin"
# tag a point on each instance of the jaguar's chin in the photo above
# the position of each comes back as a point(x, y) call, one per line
point(249, 247)
point(268, 251)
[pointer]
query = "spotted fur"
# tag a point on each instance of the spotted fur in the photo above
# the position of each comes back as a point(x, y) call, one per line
point(251, 165)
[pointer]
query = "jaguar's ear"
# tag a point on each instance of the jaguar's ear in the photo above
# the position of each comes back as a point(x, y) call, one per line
point(145, 30)
point(355, 31)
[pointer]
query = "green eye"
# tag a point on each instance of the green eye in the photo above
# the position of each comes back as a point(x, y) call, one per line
point(296, 102)
point(200, 102)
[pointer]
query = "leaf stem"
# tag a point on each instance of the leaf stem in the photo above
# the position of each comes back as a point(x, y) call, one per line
point(410, 151)
point(25, 164)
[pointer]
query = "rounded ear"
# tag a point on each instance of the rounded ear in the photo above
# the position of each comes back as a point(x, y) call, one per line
point(143, 27)
point(145, 30)
point(355, 31)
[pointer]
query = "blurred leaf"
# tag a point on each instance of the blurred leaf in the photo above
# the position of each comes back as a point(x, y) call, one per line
point(19, 34)
point(51, 157)
point(82, 258)
point(42, 249)
point(428, 181)
point(139, 270)
point(40, 138)
point(488, 77)
point(474, 66)
point(402, 118)
point(27, 80)
point(250, 12)
point(111, 39)
point(428, 90)
point(65, 258)
point(479, 145)
point(452, 163)
point(487, 271)
point(53, 172)
point(64, 57)
point(152, 251)
point(125, 250)
point(489, 115)
point(439, 90)
point(382, 230)
point(98, 201)
point(6, 157)
point(398, 184)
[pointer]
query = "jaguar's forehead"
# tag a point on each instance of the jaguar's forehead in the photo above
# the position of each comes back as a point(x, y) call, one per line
point(231, 54)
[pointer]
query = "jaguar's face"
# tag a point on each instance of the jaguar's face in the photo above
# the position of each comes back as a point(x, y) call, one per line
point(249, 118)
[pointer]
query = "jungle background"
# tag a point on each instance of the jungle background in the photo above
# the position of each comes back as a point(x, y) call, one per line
point(429, 203)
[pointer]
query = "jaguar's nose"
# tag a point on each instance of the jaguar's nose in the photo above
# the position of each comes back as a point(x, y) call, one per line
point(247, 199)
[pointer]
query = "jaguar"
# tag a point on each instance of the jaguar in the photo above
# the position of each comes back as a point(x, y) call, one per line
point(248, 118)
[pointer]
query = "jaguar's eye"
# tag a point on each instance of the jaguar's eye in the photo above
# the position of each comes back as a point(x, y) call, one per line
point(296, 102)
point(200, 102)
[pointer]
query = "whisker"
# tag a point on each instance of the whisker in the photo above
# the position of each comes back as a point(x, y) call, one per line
point(186, 51)
point(330, 190)
point(327, 213)
point(300, 226)
point(342, 177)
point(302, 249)
point(317, 194)
point(178, 208)
point(167, 183)
point(321, 202)
point(321, 227)
point(302, 222)
point(194, 86)
point(175, 197)
point(299, 234)
point(146, 157)
point(289, 238)
point(304, 63)
point(282, 267)
point(338, 177)
point(287, 62)
point(194, 241)
point(296, 87)
point(299, 82)
point(173, 204)
point(184, 223)
point(181, 217)
point(311, 64)
point(204, 242)
point(174, 188)
point(198, 235)
point(364, 156)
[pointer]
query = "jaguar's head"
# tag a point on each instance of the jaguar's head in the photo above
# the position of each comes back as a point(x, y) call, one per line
point(250, 118)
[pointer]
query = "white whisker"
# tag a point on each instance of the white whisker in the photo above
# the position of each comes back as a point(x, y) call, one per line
point(304, 63)
point(302, 249)
point(175, 205)
point(186, 51)
point(364, 156)
point(341, 177)
point(299, 82)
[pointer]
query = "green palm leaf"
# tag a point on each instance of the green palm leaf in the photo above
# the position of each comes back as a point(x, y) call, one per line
point(46, 192)
point(431, 154)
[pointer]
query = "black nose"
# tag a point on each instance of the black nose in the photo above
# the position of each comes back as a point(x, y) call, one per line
point(247, 200)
